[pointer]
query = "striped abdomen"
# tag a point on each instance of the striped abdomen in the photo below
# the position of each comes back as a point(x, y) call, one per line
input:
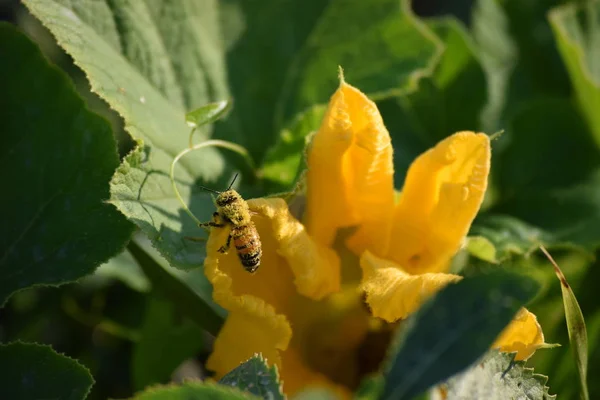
point(247, 243)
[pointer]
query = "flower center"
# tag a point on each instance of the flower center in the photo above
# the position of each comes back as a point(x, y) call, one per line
point(342, 340)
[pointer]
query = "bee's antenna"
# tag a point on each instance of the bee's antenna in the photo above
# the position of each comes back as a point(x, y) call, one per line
point(209, 189)
point(233, 181)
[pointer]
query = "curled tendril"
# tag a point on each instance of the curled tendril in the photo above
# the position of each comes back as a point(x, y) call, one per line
point(208, 143)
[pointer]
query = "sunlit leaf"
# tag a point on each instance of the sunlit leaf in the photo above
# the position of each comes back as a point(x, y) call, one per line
point(482, 248)
point(256, 377)
point(207, 114)
point(497, 377)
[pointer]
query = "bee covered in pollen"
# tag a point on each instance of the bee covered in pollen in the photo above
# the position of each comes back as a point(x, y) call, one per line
point(233, 211)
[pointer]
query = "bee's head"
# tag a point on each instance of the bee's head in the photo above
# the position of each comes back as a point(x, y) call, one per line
point(228, 197)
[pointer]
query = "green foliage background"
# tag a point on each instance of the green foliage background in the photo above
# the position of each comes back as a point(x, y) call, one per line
point(93, 108)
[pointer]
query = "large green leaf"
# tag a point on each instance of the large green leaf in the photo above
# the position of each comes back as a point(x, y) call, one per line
point(166, 341)
point(56, 160)
point(34, 371)
point(454, 329)
point(577, 32)
point(256, 377)
point(497, 377)
point(193, 391)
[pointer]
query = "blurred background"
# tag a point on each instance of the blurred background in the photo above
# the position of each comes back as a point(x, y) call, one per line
point(102, 319)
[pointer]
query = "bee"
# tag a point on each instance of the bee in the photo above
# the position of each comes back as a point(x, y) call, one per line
point(233, 211)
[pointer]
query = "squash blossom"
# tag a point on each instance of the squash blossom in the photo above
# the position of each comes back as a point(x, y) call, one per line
point(335, 282)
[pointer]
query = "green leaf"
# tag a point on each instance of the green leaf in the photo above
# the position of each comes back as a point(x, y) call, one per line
point(124, 268)
point(166, 341)
point(57, 158)
point(193, 390)
point(189, 292)
point(284, 161)
point(575, 326)
point(256, 377)
point(370, 388)
point(380, 45)
point(452, 98)
point(482, 248)
point(454, 329)
point(536, 167)
point(207, 114)
point(508, 235)
point(34, 371)
point(576, 29)
point(500, 378)
point(498, 55)
point(519, 56)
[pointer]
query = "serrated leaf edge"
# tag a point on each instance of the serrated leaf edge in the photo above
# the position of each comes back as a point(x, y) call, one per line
point(48, 347)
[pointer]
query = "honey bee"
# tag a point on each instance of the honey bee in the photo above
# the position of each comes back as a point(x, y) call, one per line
point(233, 211)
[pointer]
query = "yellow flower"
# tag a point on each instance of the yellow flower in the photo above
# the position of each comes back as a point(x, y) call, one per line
point(331, 289)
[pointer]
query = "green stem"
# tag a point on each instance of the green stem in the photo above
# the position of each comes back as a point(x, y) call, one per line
point(191, 142)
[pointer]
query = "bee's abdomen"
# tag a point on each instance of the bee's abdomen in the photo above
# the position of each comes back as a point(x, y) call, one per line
point(247, 244)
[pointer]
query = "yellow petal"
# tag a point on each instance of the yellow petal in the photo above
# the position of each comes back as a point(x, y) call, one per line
point(442, 194)
point(523, 335)
point(316, 268)
point(350, 173)
point(394, 294)
point(251, 327)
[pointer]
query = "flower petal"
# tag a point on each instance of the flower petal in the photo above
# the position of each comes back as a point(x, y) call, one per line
point(443, 191)
point(251, 327)
point(523, 335)
point(394, 294)
point(350, 173)
point(316, 268)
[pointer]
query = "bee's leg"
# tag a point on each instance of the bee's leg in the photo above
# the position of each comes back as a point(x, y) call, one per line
point(215, 223)
point(224, 248)
point(212, 224)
